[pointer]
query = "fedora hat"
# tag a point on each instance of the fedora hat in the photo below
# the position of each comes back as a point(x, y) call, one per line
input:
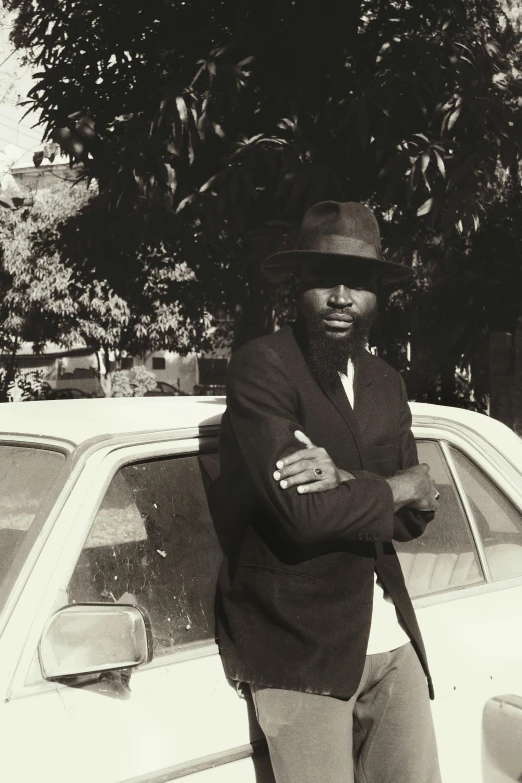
point(344, 231)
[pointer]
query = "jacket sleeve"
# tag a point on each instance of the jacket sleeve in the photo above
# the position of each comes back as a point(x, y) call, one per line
point(261, 419)
point(409, 523)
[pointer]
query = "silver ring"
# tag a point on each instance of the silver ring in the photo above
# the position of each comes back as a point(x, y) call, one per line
point(437, 495)
point(318, 471)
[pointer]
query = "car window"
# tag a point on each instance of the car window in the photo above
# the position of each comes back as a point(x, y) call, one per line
point(444, 557)
point(26, 475)
point(153, 542)
point(498, 521)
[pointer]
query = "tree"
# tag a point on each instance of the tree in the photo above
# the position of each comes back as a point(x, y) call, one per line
point(220, 128)
point(34, 289)
point(57, 288)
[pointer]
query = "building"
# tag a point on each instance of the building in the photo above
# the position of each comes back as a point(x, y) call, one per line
point(79, 368)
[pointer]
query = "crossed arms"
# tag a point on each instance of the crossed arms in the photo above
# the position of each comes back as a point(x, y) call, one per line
point(261, 420)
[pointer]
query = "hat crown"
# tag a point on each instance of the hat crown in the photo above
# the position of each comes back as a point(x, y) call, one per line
point(349, 219)
point(347, 232)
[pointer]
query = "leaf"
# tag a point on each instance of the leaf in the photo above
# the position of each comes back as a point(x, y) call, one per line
point(182, 109)
point(508, 153)
point(453, 117)
point(218, 130)
point(172, 181)
point(6, 202)
point(38, 158)
point(425, 208)
point(208, 184)
point(440, 164)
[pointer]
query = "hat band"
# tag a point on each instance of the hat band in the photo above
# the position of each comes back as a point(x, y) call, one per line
point(338, 245)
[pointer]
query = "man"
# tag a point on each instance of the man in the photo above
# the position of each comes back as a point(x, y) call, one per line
point(312, 609)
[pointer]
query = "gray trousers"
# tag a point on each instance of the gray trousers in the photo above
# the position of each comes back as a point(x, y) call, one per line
point(383, 734)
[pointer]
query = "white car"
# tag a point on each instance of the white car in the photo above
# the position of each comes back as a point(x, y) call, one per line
point(108, 564)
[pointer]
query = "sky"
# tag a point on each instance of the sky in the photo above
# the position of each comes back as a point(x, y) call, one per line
point(18, 139)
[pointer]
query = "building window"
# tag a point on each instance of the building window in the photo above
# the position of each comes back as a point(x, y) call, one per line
point(158, 363)
point(127, 363)
point(212, 374)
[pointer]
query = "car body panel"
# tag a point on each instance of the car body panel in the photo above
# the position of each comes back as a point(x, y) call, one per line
point(180, 716)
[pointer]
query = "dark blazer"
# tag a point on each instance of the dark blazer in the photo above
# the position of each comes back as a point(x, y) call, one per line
point(294, 599)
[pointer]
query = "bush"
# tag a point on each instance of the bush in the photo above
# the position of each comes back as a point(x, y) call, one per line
point(121, 385)
point(142, 380)
point(133, 383)
point(25, 387)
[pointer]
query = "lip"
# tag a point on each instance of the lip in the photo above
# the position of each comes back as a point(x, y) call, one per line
point(339, 321)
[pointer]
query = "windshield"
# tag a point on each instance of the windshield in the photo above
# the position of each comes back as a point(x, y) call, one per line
point(26, 474)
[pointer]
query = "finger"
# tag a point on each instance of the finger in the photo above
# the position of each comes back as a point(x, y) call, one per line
point(302, 438)
point(301, 466)
point(303, 477)
point(315, 486)
point(309, 454)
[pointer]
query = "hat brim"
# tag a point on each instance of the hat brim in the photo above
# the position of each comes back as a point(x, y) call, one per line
point(279, 267)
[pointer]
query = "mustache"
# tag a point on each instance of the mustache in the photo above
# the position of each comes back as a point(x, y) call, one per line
point(339, 311)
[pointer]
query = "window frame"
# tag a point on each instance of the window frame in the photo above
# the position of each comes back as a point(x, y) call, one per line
point(197, 451)
point(182, 448)
point(499, 471)
point(442, 447)
point(14, 584)
point(72, 529)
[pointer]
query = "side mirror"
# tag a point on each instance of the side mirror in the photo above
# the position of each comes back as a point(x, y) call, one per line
point(88, 638)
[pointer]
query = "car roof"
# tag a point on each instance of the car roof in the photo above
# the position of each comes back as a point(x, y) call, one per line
point(78, 420)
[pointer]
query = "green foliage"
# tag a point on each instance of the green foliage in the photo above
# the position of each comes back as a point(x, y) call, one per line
point(73, 273)
point(210, 131)
point(252, 112)
point(37, 295)
point(121, 385)
point(142, 380)
point(133, 383)
point(23, 387)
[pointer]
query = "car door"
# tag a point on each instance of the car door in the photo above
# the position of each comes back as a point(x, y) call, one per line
point(465, 576)
point(136, 530)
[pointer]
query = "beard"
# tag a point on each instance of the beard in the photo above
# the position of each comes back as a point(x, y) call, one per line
point(327, 353)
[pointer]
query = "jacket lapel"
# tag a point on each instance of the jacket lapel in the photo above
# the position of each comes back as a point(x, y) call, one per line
point(337, 396)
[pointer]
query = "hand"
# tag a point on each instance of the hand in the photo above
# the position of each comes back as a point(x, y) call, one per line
point(310, 469)
point(414, 488)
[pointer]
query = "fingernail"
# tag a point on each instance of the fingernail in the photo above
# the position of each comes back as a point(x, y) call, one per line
point(283, 484)
point(279, 464)
point(300, 490)
point(277, 475)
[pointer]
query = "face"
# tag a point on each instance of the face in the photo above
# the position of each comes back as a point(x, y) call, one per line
point(336, 299)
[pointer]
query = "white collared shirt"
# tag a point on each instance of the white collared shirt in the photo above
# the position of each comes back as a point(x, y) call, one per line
point(386, 632)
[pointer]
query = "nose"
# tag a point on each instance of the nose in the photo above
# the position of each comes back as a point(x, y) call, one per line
point(340, 296)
